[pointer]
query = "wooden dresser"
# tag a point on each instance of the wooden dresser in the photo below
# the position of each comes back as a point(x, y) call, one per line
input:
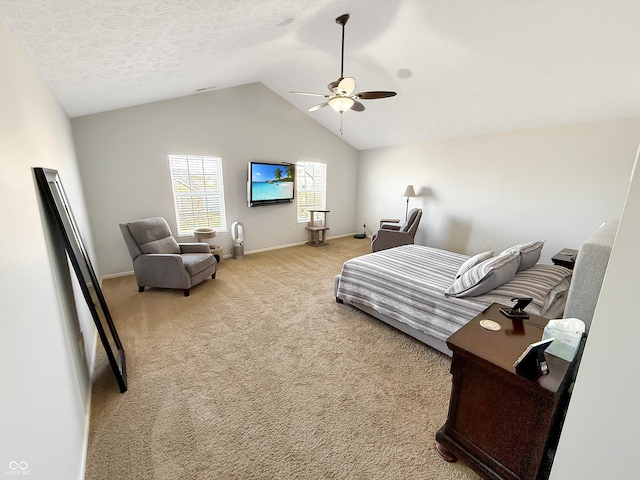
point(503, 425)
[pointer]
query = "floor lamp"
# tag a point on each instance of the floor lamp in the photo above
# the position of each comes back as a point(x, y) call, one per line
point(408, 192)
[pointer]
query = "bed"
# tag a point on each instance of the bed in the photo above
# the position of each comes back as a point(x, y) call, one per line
point(414, 288)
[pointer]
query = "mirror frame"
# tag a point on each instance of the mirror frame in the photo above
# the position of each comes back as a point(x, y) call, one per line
point(65, 229)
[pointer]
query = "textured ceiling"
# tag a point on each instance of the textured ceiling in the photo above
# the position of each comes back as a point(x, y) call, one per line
point(479, 66)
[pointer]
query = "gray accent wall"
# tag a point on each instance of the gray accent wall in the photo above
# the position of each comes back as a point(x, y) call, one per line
point(125, 171)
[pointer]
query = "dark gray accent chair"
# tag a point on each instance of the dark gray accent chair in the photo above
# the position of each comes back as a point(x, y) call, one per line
point(394, 235)
point(160, 261)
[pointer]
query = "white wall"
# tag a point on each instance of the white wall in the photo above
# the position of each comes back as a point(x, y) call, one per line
point(44, 382)
point(555, 184)
point(563, 182)
point(600, 437)
point(125, 173)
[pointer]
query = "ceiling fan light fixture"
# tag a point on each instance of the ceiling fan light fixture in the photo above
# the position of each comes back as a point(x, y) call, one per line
point(346, 86)
point(341, 104)
point(341, 95)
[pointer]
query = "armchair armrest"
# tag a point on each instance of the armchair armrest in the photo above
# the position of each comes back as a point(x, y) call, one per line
point(199, 247)
point(390, 238)
point(388, 223)
point(165, 270)
point(389, 226)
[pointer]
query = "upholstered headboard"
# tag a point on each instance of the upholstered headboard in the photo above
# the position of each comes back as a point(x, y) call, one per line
point(588, 273)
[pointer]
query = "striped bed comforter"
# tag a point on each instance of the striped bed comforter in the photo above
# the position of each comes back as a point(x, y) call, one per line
point(407, 284)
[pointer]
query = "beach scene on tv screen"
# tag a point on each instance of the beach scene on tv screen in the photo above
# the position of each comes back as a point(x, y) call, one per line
point(271, 182)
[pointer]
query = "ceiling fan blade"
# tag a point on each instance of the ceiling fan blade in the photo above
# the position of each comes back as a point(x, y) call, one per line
point(347, 85)
point(311, 94)
point(357, 106)
point(317, 107)
point(374, 95)
point(341, 97)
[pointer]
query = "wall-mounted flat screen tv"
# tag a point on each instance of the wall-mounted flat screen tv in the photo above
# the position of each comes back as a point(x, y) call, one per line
point(270, 183)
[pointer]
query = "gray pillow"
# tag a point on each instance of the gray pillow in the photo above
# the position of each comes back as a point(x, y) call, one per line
point(153, 235)
point(485, 276)
point(529, 253)
point(473, 261)
point(163, 245)
point(149, 229)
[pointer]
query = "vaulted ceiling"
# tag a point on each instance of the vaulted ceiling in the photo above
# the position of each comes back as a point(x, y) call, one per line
point(476, 66)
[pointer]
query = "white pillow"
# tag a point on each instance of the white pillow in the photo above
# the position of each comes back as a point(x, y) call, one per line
point(485, 276)
point(473, 261)
point(529, 253)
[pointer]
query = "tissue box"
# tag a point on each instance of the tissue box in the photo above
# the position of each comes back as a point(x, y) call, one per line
point(567, 333)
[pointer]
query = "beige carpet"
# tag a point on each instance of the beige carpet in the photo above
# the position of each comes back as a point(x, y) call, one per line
point(260, 374)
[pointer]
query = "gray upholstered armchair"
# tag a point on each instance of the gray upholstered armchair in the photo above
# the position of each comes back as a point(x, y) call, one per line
point(160, 261)
point(391, 235)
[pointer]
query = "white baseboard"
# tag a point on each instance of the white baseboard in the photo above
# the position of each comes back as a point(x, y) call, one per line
point(116, 275)
point(259, 250)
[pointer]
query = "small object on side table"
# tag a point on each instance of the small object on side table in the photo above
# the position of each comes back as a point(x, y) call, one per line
point(517, 311)
point(532, 363)
point(565, 258)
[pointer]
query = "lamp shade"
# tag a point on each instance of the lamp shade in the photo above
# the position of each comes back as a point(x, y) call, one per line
point(409, 192)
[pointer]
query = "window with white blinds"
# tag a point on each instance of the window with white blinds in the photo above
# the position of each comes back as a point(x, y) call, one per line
point(311, 185)
point(198, 192)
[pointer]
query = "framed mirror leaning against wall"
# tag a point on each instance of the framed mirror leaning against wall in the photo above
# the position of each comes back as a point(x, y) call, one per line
point(65, 230)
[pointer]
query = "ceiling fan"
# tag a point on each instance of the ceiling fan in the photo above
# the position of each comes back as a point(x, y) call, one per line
point(341, 97)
